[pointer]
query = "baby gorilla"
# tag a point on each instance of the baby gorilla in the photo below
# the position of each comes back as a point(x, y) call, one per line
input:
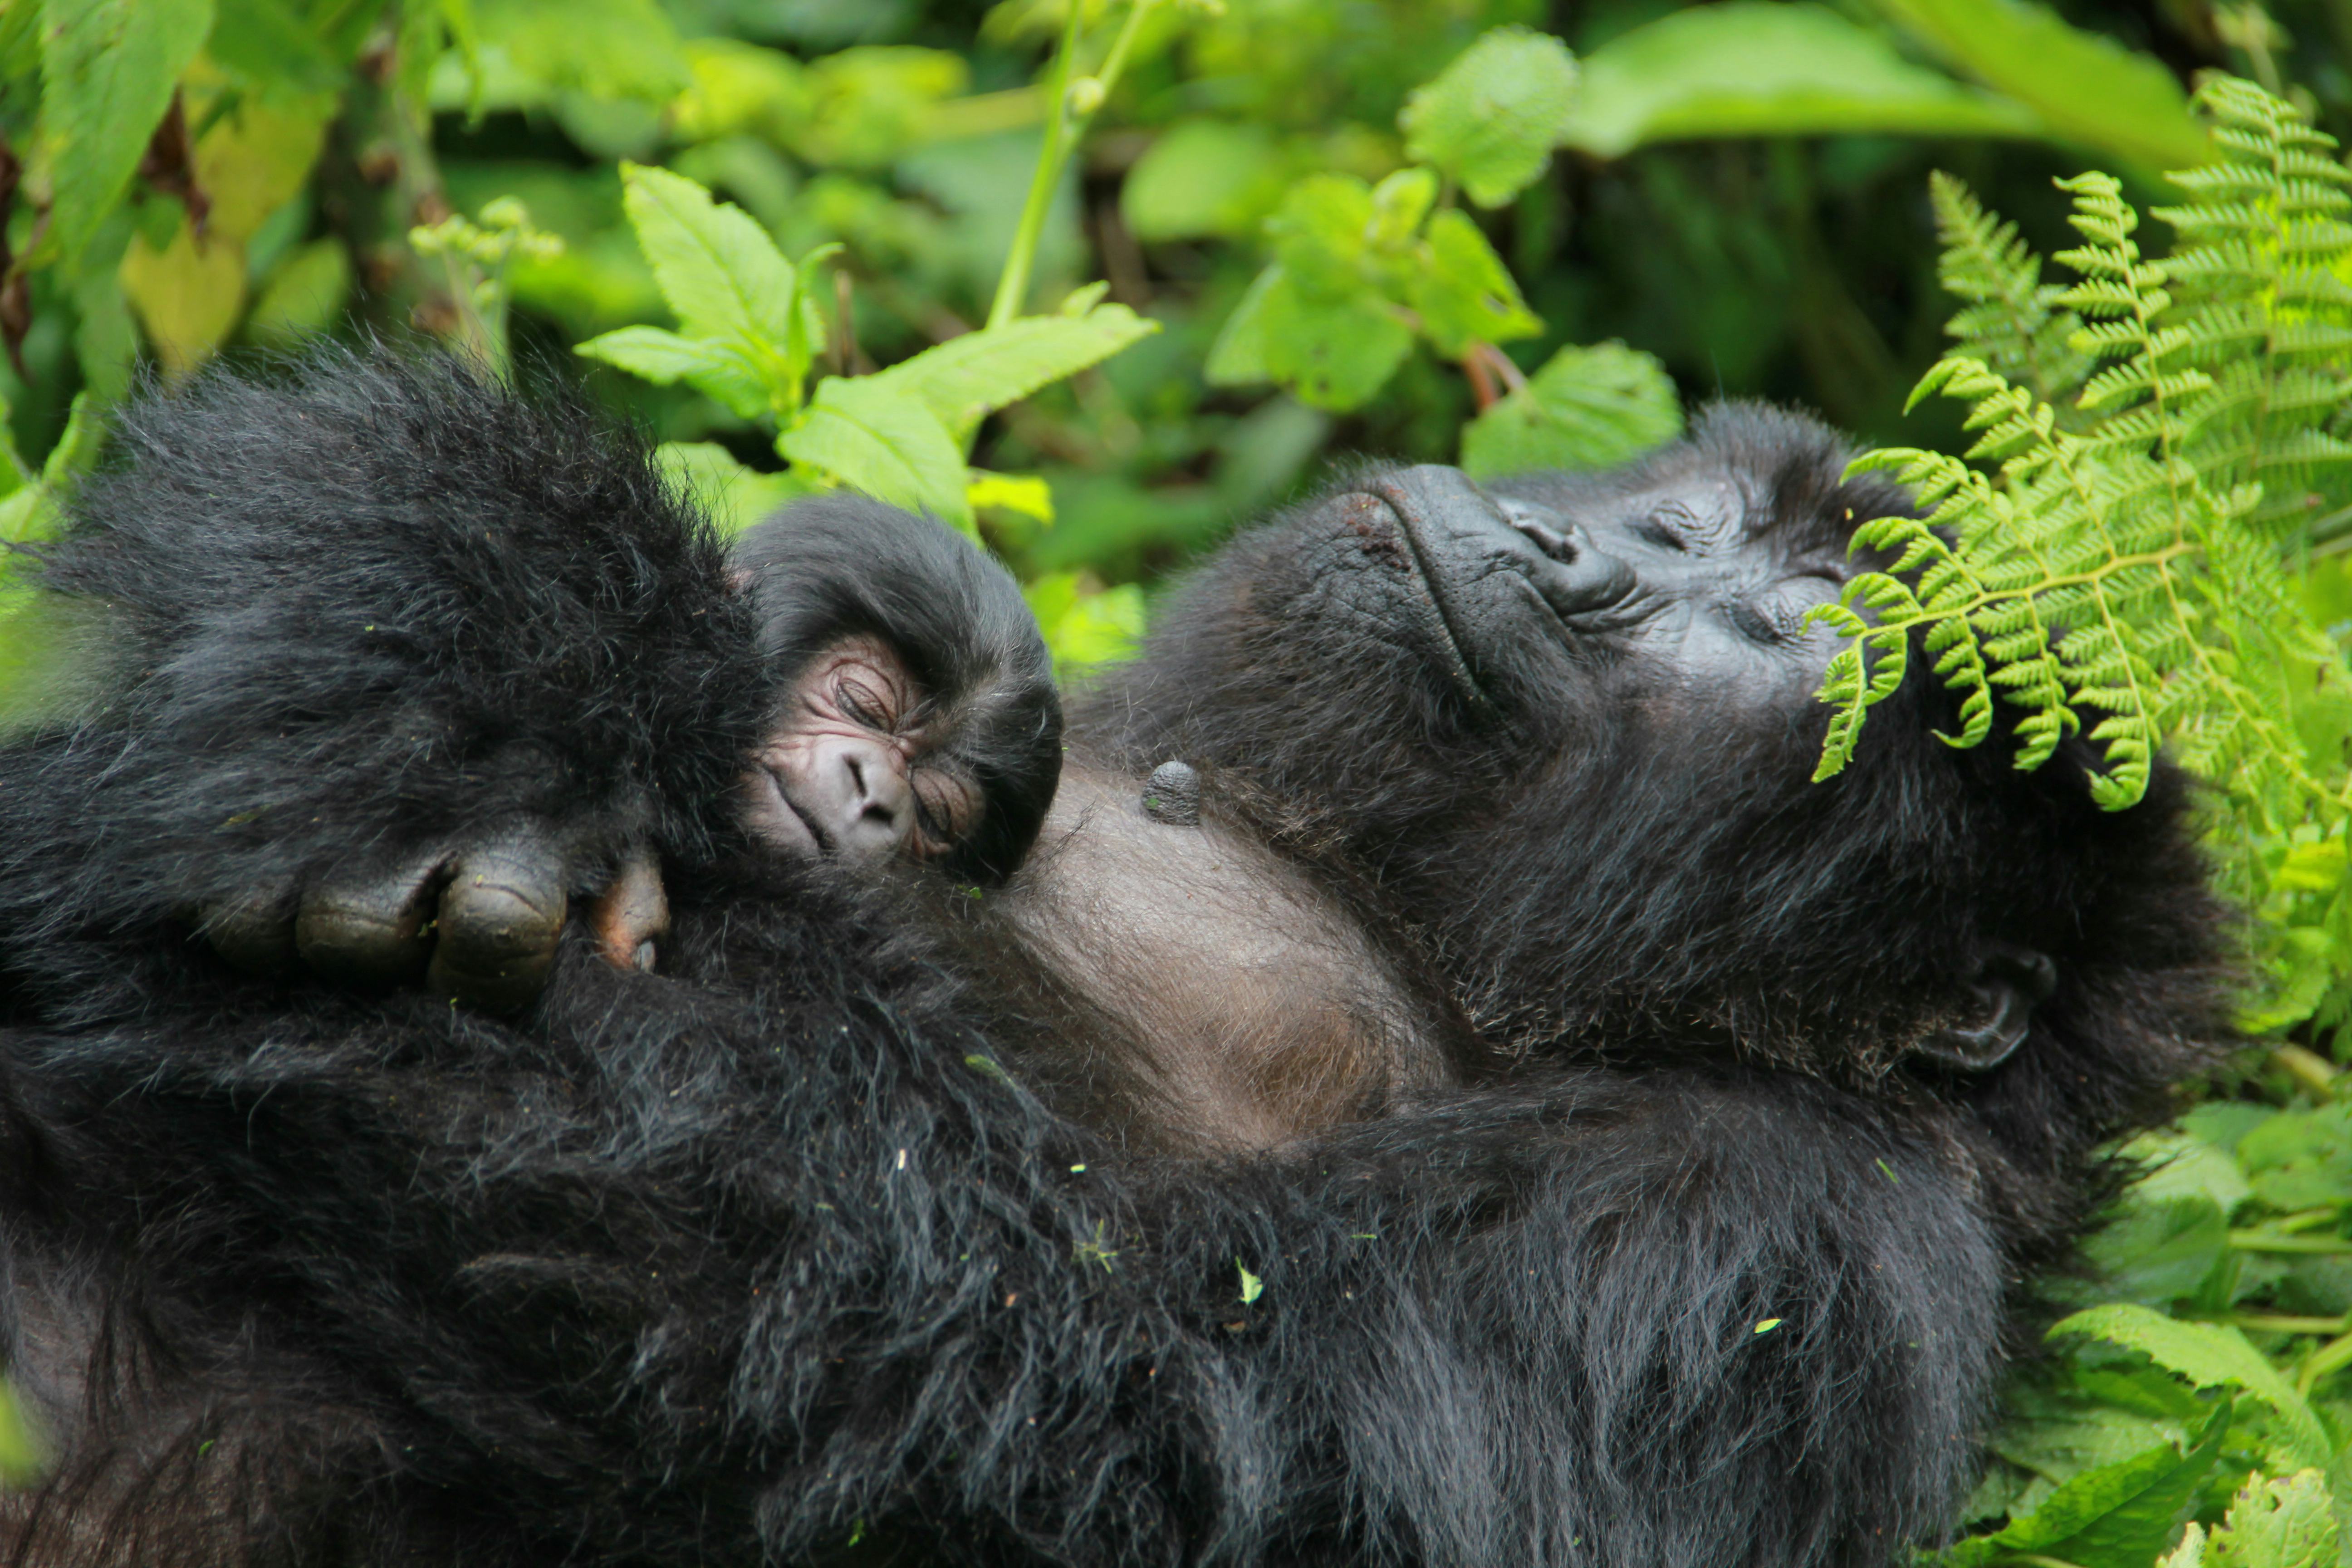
point(918, 715)
point(915, 717)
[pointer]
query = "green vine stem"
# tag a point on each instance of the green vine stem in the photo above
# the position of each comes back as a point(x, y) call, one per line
point(1072, 101)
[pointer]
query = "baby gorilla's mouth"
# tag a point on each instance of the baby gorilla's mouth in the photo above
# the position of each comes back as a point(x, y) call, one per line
point(777, 819)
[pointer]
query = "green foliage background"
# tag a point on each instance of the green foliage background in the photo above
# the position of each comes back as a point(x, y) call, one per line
point(1096, 280)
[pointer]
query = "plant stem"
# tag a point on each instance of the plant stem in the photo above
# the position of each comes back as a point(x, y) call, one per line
point(1065, 127)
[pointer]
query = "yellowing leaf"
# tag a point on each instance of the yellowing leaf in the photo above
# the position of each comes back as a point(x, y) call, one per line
point(188, 298)
point(1023, 493)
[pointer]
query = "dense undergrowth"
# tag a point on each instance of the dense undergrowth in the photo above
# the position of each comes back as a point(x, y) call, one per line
point(1092, 280)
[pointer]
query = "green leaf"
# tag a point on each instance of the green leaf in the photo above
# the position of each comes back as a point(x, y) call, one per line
point(1748, 68)
point(1587, 409)
point(715, 265)
point(1467, 294)
point(1083, 626)
point(108, 68)
point(885, 441)
point(1252, 1285)
point(1203, 178)
point(975, 373)
point(1322, 235)
point(733, 373)
point(735, 494)
point(534, 54)
point(272, 47)
point(1491, 118)
point(2209, 1355)
point(2277, 1522)
point(2085, 89)
point(2117, 1516)
point(1335, 351)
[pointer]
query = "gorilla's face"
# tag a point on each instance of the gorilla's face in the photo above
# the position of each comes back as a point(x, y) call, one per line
point(1666, 594)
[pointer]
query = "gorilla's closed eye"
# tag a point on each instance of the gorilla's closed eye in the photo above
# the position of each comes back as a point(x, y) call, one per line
point(1755, 625)
point(1658, 529)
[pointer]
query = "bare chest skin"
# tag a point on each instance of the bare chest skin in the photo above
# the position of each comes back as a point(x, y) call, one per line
point(1242, 1009)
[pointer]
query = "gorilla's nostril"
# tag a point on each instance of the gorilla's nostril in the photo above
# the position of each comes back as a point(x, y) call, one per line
point(1548, 540)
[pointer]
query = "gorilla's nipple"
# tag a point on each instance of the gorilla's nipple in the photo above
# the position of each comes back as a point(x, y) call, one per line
point(1173, 794)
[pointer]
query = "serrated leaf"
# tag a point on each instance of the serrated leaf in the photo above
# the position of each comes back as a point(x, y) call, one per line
point(733, 493)
point(2209, 1355)
point(715, 265)
point(976, 373)
point(1465, 294)
point(108, 68)
point(1749, 68)
point(885, 441)
point(2277, 1522)
point(2116, 1516)
point(1491, 118)
point(1588, 407)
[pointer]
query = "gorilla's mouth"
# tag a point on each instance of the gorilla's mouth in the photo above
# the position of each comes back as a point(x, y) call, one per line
point(1440, 619)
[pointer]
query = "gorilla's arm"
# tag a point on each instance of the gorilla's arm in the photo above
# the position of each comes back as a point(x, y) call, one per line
point(688, 1265)
point(383, 634)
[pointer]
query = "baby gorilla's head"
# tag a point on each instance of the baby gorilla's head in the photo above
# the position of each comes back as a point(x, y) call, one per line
point(916, 713)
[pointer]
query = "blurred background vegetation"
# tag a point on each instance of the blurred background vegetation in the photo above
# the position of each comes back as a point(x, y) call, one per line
point(1740, 191)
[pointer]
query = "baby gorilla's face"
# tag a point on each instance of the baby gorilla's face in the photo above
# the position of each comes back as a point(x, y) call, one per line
point(850, 771)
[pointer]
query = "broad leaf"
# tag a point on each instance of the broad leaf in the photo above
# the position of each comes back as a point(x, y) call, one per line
point(1586, 408)
point(1748, 68)
point(2209, 1355)
point(2117, 1516)
point(108, 68)
point(1491, 118)
point(715, 265)
point(1202, 177)
point(1467, 294)
point(735, 494)
point(2086, 88)
point(884, 440)
point(737, 373)
point(969, 376)
point(1335, 350)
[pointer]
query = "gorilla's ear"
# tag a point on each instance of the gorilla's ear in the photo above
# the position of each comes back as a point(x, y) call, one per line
point(2009, 985)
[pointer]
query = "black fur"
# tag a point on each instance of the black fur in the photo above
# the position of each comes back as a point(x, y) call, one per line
point(770, 1253)
point(841, 565)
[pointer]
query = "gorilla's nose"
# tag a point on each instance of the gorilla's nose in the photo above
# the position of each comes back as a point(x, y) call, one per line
point(864, 799)
point(1462, 535)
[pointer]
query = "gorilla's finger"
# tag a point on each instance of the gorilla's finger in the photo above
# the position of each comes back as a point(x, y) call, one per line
point(632, 913)
point(255, 931)
point(366, 925)
point(500, 915)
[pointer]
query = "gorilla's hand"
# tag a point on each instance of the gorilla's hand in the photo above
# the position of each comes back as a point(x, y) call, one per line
point(477, 917)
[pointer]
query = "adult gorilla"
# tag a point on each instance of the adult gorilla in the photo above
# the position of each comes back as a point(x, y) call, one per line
point(991, 1229)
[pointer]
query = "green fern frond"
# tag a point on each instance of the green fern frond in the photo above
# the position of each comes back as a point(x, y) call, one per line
point(2118, 572)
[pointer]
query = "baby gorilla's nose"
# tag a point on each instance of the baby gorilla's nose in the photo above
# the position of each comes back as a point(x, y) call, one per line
point(867, 807)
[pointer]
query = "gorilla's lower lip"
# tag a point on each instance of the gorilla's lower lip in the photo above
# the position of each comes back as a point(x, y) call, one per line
point(787, 816)
point(1440, 616)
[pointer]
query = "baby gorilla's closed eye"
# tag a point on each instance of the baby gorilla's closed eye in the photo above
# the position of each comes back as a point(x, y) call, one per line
point(851, 772)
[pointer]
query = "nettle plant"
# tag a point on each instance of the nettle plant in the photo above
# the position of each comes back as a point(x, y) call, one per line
point(1361, 273)
point(2139, 546)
